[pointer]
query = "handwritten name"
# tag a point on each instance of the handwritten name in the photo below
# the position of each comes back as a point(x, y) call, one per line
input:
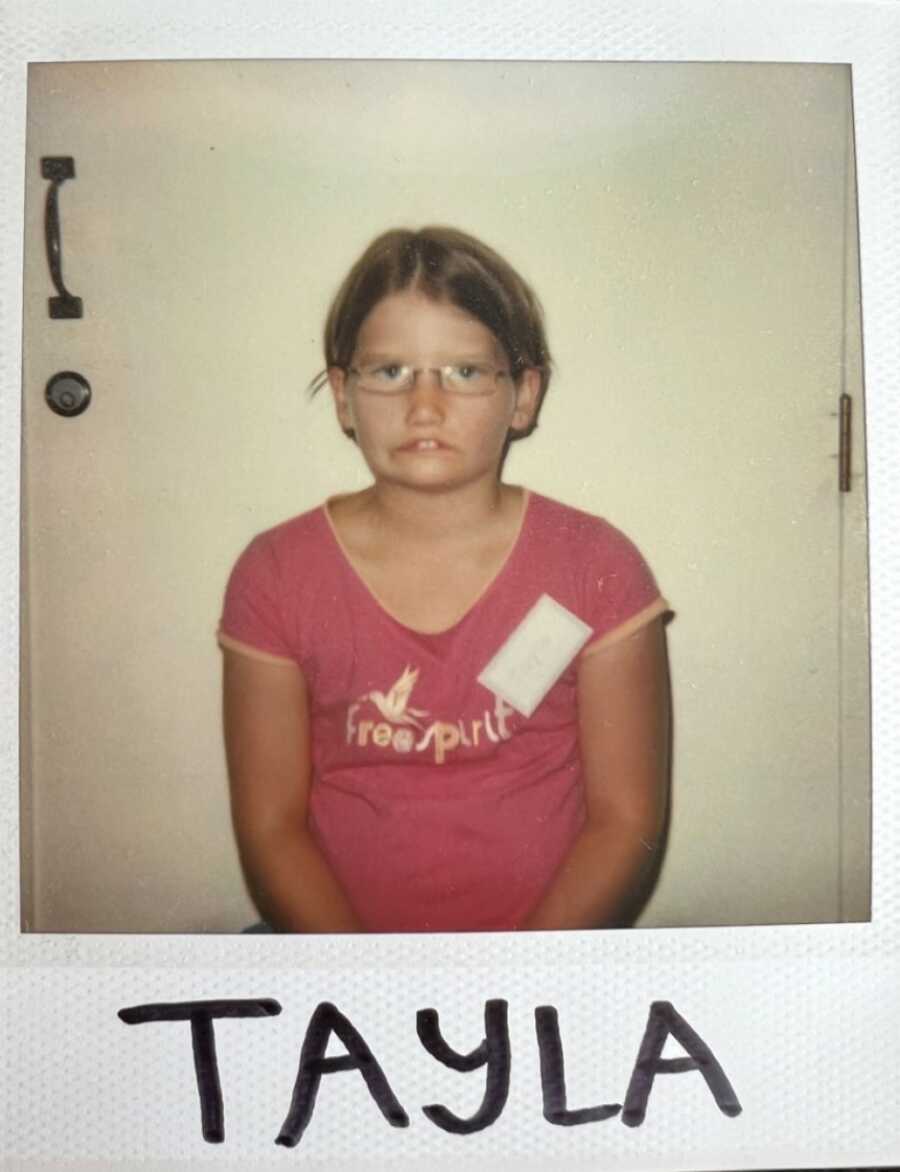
point(492, 1053)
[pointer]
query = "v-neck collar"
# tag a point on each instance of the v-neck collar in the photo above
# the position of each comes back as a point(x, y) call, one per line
point(476, 603)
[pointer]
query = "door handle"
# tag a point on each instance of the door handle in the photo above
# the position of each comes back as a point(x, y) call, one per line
point(57, 168)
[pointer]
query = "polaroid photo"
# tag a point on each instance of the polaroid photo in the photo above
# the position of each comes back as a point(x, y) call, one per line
point(448, 588)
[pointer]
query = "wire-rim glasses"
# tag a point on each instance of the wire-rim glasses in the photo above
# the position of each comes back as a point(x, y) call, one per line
point(467, 379)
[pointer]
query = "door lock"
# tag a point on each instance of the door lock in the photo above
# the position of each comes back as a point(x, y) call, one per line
point(68, 393)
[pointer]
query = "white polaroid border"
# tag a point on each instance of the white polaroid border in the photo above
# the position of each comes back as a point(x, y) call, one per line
point(802, 1019)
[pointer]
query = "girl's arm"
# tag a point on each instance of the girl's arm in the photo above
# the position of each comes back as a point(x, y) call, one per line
point(266, 719)
point(623, 715)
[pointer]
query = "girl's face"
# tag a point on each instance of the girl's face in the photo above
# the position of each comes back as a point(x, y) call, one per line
point(425, 437)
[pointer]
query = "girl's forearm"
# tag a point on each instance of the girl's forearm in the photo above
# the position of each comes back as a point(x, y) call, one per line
point(597, 878)
point(292, 884)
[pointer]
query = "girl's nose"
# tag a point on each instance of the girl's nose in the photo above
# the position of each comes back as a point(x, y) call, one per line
point(426, 398)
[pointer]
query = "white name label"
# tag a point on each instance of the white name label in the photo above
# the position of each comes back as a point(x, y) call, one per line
point(535, 655)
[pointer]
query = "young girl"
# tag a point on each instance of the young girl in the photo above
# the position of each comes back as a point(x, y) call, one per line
point(445, 696)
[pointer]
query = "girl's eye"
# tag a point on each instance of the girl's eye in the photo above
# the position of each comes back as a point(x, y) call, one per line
point(469, 371)
point(385, 376)
point(471, 377)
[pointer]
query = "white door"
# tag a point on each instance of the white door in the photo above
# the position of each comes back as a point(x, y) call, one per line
point(691, 232)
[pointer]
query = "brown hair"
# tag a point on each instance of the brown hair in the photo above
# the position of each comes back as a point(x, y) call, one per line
point(446, 265)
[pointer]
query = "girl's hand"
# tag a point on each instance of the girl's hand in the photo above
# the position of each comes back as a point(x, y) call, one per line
point(623, 715)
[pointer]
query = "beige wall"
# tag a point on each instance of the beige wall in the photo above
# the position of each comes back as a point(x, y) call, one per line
point(684, 227)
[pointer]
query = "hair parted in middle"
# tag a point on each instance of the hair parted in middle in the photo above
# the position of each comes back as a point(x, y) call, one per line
point(444, 264)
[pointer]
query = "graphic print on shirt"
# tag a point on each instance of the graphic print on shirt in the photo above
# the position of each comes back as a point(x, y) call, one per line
point(394, 733)
point(393, 705)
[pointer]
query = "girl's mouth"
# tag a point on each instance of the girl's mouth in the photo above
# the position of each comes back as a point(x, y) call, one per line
point(424, 445)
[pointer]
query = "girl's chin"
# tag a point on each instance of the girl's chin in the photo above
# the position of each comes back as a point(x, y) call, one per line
point(431, 479)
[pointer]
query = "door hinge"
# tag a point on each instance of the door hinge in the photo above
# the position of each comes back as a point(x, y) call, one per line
point(844, 450)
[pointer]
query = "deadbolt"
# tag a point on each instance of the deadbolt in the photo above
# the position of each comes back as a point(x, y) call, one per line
point(68, 393)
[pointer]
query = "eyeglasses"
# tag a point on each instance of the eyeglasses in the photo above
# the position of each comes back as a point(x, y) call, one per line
point(457, 378)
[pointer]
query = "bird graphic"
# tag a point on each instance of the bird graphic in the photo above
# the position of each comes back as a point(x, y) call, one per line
point(392, 705)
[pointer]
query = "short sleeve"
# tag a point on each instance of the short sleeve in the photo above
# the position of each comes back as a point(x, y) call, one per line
point(251, 620)
point(622, 594)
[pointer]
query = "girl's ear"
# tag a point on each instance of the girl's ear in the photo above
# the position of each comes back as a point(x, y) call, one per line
point(337, 381)
point(528, 399)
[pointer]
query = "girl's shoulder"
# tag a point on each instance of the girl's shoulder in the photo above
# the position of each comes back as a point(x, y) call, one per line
point(598, 573)
point(295, 532)
point(287, 550)
point(570, 525)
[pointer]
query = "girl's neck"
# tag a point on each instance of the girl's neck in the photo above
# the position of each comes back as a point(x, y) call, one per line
point(422, 517)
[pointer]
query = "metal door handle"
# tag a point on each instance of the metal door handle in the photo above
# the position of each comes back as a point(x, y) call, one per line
point(57, 169)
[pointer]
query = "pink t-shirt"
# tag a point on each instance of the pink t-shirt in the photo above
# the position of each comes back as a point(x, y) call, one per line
point(438, 805)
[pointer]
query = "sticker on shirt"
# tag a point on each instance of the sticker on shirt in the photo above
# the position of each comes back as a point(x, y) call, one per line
point(386, 721)
point(535, 655)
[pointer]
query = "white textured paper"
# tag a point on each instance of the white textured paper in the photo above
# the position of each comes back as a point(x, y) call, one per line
point(804, 1019)
point(535, 655)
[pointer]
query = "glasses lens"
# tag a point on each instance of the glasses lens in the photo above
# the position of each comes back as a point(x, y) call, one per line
point(387, 379)
point(470, 378)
